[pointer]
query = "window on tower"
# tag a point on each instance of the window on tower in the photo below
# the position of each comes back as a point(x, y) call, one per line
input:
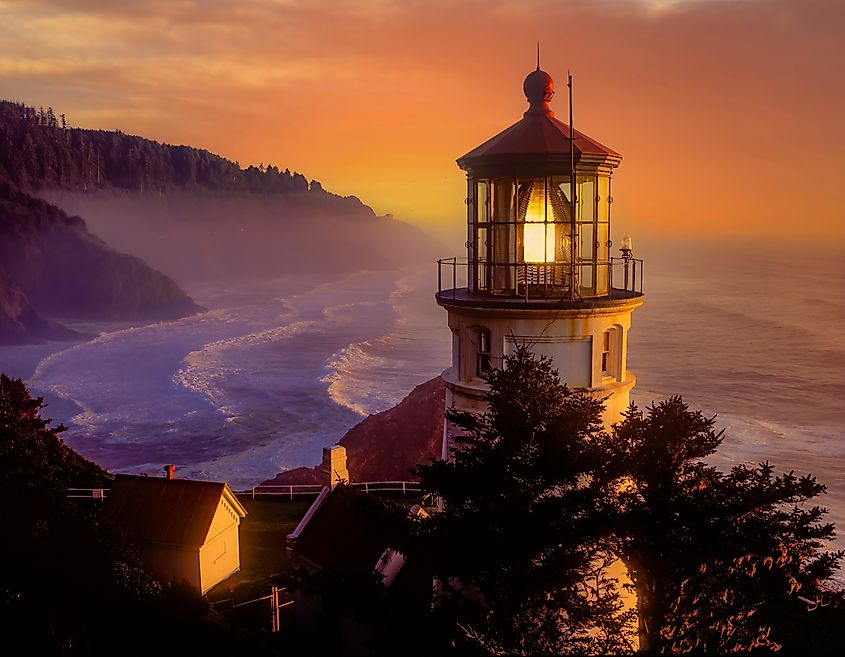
point(610, 353)
point(482, 341)
point(606, 363)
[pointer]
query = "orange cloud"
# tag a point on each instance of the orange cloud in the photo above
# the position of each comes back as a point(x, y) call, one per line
point(726, 112)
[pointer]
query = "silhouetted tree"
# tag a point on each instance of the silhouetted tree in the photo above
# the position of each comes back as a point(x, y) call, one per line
point(518, 525)
point(539, 495)
point(69, 584)
point(714, 556)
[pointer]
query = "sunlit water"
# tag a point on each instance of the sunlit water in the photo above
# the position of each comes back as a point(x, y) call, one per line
point(275, 371)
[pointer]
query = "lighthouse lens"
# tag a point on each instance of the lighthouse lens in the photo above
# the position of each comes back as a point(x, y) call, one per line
point(539, 236)
point(539, 246)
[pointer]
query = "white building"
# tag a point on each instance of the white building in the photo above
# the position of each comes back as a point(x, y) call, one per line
point(184, 530)
point(539, 269)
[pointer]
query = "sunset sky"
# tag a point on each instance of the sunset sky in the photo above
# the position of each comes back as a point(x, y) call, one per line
point(730, 115)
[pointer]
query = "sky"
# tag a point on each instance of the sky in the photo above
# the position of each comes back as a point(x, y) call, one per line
point(728, 113)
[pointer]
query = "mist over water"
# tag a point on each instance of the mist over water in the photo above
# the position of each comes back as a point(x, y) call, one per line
point(752, 331)
point(276, 370)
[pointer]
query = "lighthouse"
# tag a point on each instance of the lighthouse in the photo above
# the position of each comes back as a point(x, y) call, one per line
point(540, 268)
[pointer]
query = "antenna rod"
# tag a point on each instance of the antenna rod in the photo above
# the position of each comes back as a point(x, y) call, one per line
point(573, 193)
point(538, 55)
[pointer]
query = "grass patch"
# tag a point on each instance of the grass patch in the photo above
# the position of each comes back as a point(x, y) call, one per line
point(264, 556)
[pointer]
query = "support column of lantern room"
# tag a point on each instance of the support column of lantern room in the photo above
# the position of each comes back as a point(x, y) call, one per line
point(539, 269)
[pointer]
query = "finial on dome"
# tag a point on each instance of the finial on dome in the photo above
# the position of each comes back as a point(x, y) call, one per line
point(539, 89)
point(538, 55)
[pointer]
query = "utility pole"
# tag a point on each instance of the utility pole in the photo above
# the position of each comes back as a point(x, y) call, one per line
point(275, 625)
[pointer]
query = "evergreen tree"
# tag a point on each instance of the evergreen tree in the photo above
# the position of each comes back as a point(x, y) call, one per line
point(518, 526)
point(714, 557)
point(538, 497)
point(69, 583)
point(34, 155)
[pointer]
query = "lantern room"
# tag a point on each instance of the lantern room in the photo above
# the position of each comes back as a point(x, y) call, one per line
point(538, 208)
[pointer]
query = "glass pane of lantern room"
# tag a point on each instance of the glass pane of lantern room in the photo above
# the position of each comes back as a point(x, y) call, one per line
point(586, 198)
point(586, 228)
point(482, 201)
point(502, 252)
point(479, 215)
point(587, 250)
point(603, 236)
point(481, 276)
point(561, 203)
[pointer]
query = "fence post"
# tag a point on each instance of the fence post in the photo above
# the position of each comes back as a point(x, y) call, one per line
point(274, 609)
point(253, 493)
point(403, 488)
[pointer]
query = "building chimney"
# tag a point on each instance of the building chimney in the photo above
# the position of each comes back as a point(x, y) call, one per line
point(169, 470)
point(334, 465)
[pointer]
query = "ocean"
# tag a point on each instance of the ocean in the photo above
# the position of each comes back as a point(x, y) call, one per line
point(752, 331)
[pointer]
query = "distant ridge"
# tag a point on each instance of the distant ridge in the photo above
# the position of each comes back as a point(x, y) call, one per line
point(194, 215)
point(39, 151)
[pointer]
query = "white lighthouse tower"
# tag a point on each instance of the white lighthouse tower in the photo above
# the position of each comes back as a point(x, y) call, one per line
point(539, 269)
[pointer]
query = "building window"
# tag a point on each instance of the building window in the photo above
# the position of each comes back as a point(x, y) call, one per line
point(482, 338)
point(610, 353)
point(606, 356)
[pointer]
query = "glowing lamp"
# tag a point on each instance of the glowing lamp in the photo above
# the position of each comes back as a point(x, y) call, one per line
point(538, 235)
point(626, 248)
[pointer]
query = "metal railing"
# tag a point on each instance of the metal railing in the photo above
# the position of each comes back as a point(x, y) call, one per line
point(87, 493)
point(280, 490)
point(630, 268)
point(618, 277)
point(291, 490)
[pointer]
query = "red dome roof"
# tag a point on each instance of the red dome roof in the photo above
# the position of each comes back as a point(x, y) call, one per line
point(538, 139)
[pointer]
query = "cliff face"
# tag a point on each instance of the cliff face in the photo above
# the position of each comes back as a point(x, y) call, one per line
point(20, 324)
point(66, 271)
point(386, 446)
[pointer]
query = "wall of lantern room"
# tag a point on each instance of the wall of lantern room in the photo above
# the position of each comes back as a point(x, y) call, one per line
point(521, 232)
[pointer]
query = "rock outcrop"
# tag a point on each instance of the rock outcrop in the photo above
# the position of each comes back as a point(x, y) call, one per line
point(20, 324)
point(66, 272)
point(386, 446)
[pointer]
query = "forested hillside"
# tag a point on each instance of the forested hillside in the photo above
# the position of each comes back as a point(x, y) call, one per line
point(39, 150)
point(20, 323)
point(67, 272)
point(192, 214)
